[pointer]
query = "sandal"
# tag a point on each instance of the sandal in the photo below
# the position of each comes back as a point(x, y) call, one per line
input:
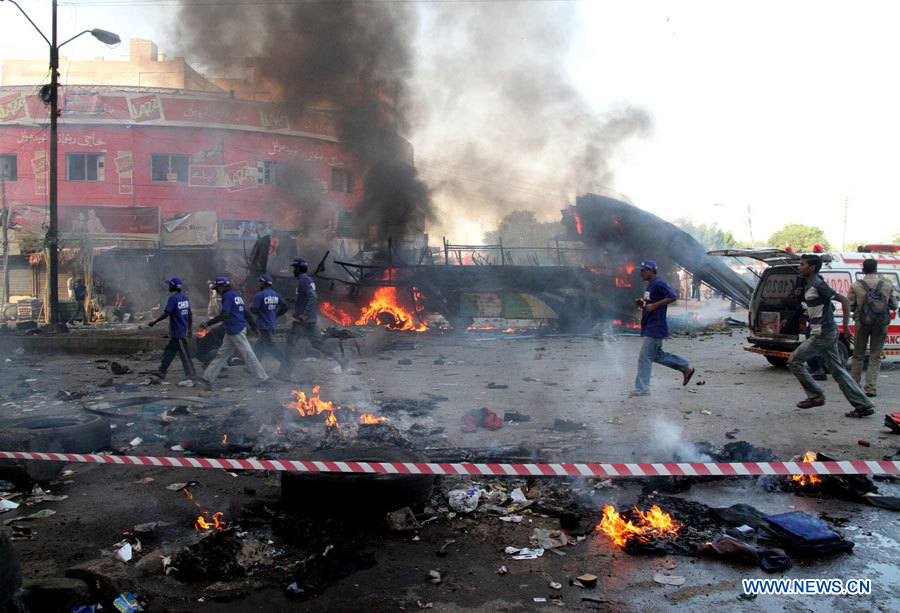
point(811, 402)
point(860, 412)
point(688, 375)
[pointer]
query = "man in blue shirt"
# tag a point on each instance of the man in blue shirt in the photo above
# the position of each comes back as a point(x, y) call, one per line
point(823, 335)
point(654, 328)
point(181, 323)
point(304, 322)
point(234, 319)
point(268, 305)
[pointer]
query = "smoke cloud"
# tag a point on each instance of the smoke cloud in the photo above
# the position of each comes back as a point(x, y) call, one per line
point(355, 56)
point(498, 122)
point(481, 89)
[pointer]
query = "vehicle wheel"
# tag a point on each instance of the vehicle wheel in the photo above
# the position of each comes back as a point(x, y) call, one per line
point(349, 494)
point(777, 361)
point(76, 433)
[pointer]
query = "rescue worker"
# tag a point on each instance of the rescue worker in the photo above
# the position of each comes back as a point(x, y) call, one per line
point(181, 324)
point(268, 305)
point(304, 322)
point(80, 291)
point(654, 328)
point(871, 334)
point(817, 301)
point(234, 319)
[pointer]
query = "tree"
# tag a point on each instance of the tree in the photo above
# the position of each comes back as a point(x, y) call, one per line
point(896, 239)
point(710, 236)
point(800, 237)
point(522, 229)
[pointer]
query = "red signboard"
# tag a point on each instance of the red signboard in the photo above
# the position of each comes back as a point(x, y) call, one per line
point(226, 112)
point(145, 108)
point(240, 176)
point(12, 107)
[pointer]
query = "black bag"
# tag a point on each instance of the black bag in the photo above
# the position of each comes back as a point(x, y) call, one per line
point(874, 311)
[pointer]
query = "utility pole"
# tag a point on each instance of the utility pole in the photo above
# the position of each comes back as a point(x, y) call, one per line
point(108, 38)
point(750, 226)
point(844, 232)
point(4, 219)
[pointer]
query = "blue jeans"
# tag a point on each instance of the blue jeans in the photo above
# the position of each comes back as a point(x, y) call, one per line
point(826, 344)
point(651, 351)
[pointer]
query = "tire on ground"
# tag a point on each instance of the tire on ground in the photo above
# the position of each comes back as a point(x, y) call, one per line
point(79, 433)
point(349, 494)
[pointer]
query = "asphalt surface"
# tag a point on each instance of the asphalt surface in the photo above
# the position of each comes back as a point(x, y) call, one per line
point(735, 395)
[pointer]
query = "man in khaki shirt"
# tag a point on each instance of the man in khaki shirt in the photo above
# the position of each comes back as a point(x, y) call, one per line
point(873, 336)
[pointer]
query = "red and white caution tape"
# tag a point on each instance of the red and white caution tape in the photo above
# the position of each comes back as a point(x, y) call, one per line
point(717, 469)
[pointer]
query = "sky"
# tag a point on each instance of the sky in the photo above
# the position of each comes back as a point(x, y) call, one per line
point(788, 109)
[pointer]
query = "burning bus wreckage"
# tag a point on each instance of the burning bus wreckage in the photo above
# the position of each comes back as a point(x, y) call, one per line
point(470, 473)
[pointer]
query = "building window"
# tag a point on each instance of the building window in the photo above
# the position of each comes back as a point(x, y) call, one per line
point(341, 180)
point(265, 172)
point(8, 167)
point(172, 168)
point(84, 167)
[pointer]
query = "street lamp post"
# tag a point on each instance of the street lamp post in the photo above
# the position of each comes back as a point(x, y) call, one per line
point(105, 37)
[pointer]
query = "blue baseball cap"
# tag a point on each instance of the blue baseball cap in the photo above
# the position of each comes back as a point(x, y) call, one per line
point(174, 282)
point(299, 262)
point(265, 279)
point(221, 281)
point(648, 265)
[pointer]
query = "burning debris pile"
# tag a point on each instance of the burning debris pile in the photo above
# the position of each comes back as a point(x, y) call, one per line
point(605, 222)
point(389, 308)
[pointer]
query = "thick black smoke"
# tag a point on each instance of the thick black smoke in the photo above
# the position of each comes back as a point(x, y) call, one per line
point(338, 53)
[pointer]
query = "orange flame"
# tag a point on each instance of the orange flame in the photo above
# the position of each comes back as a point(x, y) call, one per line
point(368, 418)
point(202, 333)
point(652, 523)
point(225, 439)
point(575, 216)
point(313, 406)
point(809, 456)
point(385, 300)
point(204, 522)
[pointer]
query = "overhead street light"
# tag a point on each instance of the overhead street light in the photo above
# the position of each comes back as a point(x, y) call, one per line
point(50, 96)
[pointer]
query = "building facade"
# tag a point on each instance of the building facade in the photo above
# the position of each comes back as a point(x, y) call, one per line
point(152, 173)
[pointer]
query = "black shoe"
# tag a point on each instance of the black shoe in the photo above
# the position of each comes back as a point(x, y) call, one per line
point(871, 394)
point(820, 376)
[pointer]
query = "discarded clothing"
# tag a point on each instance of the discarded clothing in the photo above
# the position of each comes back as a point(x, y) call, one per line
point(739, 515)
point(770, 560)
point(805, 534)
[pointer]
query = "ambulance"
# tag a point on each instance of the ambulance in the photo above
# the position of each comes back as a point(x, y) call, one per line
point(775, 330)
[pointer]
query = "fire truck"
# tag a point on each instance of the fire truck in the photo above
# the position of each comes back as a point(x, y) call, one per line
point(774, 331)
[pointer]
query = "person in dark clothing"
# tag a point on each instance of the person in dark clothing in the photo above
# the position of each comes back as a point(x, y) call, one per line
point(817, 299)
point(80, 290)
point(181, 324)
point(304, 322)
point(235, 320)
point(654, 328)
point(268, 305)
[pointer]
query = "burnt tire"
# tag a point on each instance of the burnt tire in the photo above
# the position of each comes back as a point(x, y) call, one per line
point(79, 433)
point(777, 361)
point(350, 493)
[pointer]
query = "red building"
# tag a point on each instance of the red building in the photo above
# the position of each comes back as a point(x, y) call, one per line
point(152, 174)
